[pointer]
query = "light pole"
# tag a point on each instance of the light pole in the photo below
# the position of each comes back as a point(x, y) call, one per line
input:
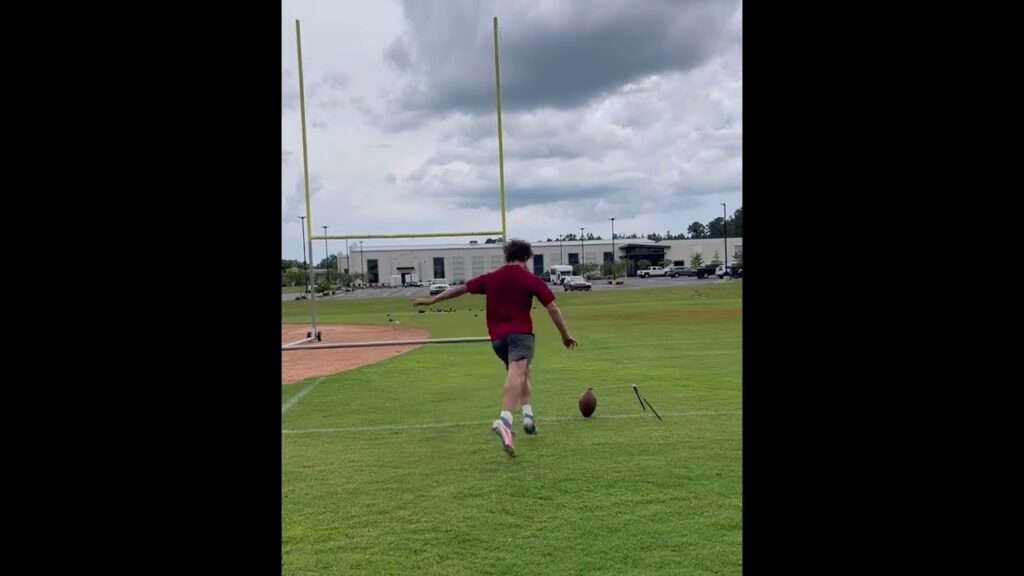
point(561, 255)
point(363, 259)
point(613, 250)
point(725, 242)
point(327, 254)
point(581, 249)
point(306, 287)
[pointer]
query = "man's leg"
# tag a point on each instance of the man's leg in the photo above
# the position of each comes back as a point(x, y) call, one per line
point(509, 400)
point(526, 391)
point(510, 396)
point(524, 397)
point(521, 349)
point(516, 381)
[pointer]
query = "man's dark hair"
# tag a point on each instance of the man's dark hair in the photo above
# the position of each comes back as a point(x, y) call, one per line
point(518, 251)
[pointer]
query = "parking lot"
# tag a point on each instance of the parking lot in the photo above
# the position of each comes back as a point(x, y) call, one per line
point(597, 285)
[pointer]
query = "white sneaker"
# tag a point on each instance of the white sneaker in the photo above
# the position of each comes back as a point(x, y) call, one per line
point(505, 434)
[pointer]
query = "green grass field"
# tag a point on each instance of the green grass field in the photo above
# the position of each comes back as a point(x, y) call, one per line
point(393, 469)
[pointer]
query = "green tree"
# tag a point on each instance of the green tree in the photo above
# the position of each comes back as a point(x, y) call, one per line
point(293, 277)
point(330, 262)
point(715, 227)
point(697, 230)
point(614, 269)
point(330, 273)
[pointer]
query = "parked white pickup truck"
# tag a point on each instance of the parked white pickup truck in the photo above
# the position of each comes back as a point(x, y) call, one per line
point(653, 271)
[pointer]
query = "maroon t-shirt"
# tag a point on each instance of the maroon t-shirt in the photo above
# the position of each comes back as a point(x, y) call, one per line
point(510, 291)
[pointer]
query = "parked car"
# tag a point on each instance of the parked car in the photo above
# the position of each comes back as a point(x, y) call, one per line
point(438, 287)
point(705, 270)
point(545, 277)
point(576, 283)
point(733, 270)
point(675, 271)
point(652, 271)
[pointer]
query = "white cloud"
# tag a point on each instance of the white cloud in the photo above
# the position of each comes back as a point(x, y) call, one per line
point(650, 134)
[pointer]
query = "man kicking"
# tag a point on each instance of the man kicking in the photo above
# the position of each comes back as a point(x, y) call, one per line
point(510, 291)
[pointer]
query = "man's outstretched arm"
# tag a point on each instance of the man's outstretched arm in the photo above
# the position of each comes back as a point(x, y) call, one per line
point(452, 292)
point(556, 316)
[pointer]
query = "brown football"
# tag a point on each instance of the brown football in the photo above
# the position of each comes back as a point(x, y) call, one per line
point(588, 403)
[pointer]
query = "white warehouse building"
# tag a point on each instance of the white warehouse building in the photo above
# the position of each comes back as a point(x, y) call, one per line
point(460, 262)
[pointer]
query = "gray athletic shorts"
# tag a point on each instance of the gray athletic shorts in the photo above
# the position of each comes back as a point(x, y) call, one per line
point(514, 347)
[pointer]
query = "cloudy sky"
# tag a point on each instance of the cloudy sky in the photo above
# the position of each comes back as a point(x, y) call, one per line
point(610, 108)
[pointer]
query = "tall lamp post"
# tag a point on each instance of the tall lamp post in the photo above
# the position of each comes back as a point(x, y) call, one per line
point(327, 255)
point(613, 250)
point(582, 259)
point(725, 242)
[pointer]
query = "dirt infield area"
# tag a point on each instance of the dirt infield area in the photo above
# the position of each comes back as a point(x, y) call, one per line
point(298, 365)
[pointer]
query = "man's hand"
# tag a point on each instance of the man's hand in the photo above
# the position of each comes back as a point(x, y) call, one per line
point(423, 301)
point(569, 342)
